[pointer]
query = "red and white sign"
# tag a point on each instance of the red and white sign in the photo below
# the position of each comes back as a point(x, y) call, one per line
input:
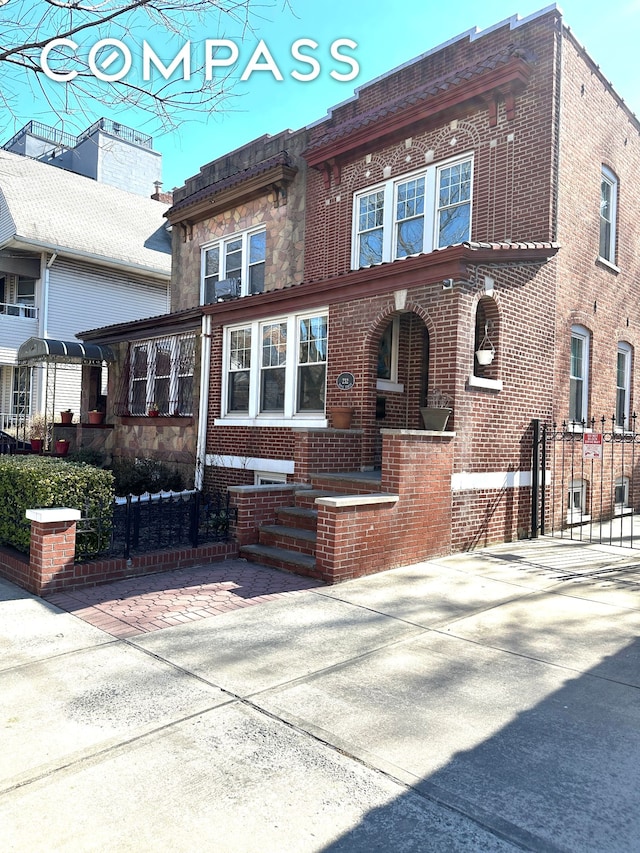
point(592, 445)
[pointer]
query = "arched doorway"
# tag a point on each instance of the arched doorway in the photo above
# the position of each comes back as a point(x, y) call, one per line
point(400, 366)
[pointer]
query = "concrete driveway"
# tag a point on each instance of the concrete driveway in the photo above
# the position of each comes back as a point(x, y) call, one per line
point(481, 702)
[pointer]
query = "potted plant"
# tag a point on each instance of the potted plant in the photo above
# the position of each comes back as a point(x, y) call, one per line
point(62, 447)
point(37, 433)
point(66, 416)
point(436, 413)
point(153, 410)
point(95, 416)
point(341, 416)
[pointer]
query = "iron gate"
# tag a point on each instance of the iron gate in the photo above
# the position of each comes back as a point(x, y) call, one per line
point(586, 482)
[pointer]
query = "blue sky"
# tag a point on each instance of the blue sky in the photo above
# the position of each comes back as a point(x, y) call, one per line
point(386, 34)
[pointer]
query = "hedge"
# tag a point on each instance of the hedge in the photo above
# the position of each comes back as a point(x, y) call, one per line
point(40, 482)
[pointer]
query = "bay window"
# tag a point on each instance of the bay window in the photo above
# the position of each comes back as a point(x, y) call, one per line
point(425, 211)
point(275, 369)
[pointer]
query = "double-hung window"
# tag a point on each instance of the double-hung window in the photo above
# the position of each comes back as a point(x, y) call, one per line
point(608, 211)
point(276, 369)
point(579, 374)
point(161, 375)
point(428, 210)
point(623, 385)
point(234, 266)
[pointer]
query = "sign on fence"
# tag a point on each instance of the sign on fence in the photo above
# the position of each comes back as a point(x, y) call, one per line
point(592, 445)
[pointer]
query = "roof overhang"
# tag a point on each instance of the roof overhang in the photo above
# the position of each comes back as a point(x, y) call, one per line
point(43, 350)
point(454, 262)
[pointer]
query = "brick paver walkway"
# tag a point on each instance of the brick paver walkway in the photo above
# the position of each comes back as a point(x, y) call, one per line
point(139, 605)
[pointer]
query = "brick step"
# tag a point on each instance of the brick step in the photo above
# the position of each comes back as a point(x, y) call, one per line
point(306, 499)
point(347, 483)
point(297, 516)
point(279, 558)
point(294, 539)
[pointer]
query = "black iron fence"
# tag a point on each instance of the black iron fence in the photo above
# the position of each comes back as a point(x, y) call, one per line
point(137, 525)
point(586, 481)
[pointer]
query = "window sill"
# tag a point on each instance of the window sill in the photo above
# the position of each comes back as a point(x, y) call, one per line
point(387, 385)
point(161, 420)
point(608, 264)
point(577, 428)
point(480, 382)
point(574, 518)
point(318, 422)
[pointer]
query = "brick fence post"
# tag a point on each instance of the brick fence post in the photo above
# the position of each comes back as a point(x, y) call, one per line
point(53, 546)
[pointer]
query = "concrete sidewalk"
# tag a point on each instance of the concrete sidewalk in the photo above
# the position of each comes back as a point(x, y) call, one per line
point(481, 702)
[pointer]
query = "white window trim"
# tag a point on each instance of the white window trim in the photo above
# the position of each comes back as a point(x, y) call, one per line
point(622, 508)
point(392, 384)
point(624, 347)
point(220, 243)
point(430, 174)
point(578, 516)
point(606, 175)
point(289, 417)
point(584, 334)
point(174, 376)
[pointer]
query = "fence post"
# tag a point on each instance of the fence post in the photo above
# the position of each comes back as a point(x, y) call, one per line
point(535, 478)
point(53, 546)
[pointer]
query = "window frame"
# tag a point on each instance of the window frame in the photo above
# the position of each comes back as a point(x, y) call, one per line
point(625, 350)
point(391, 383)
point(246, 264)
point(390, 220)
point(584, 336)
point(255, 415)
point(609, 255)
point(176, 376)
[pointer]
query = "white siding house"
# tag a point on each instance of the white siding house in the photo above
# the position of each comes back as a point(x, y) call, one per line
point(74, 254)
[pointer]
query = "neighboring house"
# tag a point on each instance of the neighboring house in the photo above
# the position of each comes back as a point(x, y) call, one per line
point(72, 251)
point(482, 196)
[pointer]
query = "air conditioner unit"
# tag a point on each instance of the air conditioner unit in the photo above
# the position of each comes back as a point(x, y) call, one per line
point(220, 291)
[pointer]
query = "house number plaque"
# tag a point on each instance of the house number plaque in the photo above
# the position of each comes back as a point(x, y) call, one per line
point(346, 381)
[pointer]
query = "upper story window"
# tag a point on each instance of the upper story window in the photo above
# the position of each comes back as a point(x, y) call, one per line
point(608, 212)
point(623, 385)
point(429, 210)
point(579, 374)
point(276, 369)
point(161, 375)
point(234, 266)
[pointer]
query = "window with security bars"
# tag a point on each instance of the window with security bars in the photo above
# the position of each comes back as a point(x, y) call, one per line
point(160, 376)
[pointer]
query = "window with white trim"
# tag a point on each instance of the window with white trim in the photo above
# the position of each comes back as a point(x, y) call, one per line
point(388, 348)
point(429, 210)
point(621, 495)
point(577, 502)
point(608, 212)
point(234, 266)
point(623, 385)
point(276, 368)
point(161, 375)
point(579, 374)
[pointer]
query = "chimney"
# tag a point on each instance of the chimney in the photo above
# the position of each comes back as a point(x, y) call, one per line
point(165, 198)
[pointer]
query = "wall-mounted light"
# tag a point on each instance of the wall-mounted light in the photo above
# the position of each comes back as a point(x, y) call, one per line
point(447, 284)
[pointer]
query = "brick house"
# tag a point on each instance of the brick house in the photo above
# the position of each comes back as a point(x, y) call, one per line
point(478, 197)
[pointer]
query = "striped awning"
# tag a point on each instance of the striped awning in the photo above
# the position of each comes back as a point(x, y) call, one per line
point(39, 350)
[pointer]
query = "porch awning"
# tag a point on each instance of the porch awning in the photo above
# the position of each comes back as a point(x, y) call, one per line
point(39, 350)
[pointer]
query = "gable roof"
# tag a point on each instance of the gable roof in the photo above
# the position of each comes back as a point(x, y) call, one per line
point(43, 207)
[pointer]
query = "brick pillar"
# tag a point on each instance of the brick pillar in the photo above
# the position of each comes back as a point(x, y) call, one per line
point(53, 545)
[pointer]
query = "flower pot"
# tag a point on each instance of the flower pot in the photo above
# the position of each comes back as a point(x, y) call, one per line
point(62, 447)
point(434, 418)
point(36, 445)
point(96, 417)
point(153, 413)
point(485, 356)
point(341, 417)
point(66, 417)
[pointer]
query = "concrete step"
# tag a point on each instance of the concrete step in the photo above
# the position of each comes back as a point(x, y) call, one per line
point(295, 539)
point(297, 516)
point(347, 483)
point(279, 558)
point(306, 499)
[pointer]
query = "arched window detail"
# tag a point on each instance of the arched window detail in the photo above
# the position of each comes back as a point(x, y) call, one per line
point(486, 339)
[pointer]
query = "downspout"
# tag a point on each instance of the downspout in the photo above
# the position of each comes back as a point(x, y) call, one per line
point(205, 370)
point(43, 324)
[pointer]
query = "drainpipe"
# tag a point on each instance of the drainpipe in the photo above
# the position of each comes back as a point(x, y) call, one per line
point(205, 369)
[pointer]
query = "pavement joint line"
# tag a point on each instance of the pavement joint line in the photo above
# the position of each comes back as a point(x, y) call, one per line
point(69, 652)
point(494, 825)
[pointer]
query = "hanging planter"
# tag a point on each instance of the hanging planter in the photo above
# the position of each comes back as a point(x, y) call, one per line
point(486, 351)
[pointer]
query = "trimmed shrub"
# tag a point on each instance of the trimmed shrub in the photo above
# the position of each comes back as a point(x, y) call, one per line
point(41, 482)
point(137, 476)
